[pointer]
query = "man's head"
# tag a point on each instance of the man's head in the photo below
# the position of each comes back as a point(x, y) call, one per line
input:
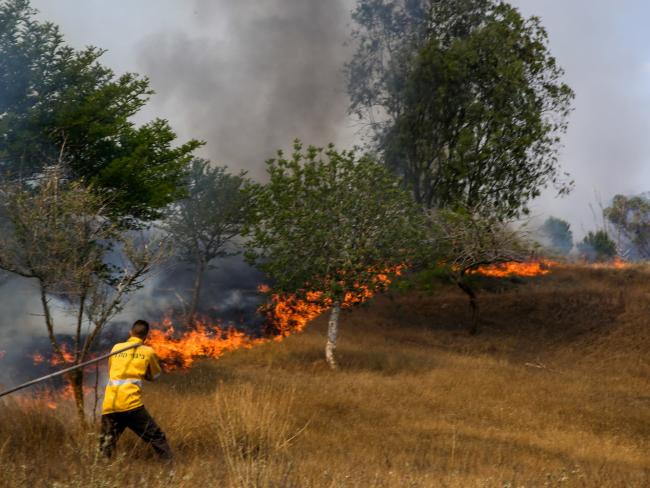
point(140, 329)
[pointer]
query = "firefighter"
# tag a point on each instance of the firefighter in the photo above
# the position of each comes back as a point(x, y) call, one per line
point(123, 405)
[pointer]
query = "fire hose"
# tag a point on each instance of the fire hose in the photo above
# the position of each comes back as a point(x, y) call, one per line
point(67, 370)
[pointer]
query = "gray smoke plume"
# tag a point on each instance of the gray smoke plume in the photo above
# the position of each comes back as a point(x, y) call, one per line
point(249, 76)
point(253, 76)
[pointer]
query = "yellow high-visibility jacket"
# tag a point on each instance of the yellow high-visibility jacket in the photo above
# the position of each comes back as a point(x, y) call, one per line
point(126, 372)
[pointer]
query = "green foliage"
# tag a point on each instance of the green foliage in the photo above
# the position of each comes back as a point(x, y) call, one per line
point(204, 225)
point(212, 214)
point(597, 246)
point(559, 233)
point(471, 102)
point(329, 221)
point(465, 239)
point(631, 218)
point(60, 105)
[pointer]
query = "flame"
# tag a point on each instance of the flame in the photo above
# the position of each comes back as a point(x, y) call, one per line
point(288, 314)
point(542, 267)
point(38, 358)
point(204, 340)
point(179, 349)
point(512, 268)
point(66, 357)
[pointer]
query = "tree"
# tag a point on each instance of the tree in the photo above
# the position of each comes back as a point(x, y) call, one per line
point(464, 240)
point(597, 246)
point(59, 236)
point(559, 234)
point(204, 225)
point(326, 224)
point(472, 103)
point(58, 104)
point(630, 216)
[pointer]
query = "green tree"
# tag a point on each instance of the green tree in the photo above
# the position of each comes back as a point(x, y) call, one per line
point(471, 101)
point(559, 234)
point(466, 239)
point(61, 105)
point(597, 246)
point(328, 222)
point(204, 225)
point(59, 235)
point(630, 216)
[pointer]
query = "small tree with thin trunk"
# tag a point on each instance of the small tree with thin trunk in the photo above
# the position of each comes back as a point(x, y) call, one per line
point(57, 233)
point(464, 240)
point(329, 222)
point(204, 225)
point(597, 246)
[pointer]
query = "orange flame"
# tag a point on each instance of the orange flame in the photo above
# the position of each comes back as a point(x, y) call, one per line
point(66, 357)
point(38, 358)
point(204, 340)
point(542, 267)
point(525, 269)
point(290, 314)
point(179, 350)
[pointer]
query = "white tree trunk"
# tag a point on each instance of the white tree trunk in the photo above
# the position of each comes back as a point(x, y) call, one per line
point(332, 331)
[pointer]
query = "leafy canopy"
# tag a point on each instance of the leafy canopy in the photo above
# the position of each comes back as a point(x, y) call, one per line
point(61, 105)
point(211, 215)
point(329, 221)
point(597, 246)
point(463, 98)
point(630, 216)
point(466, 239)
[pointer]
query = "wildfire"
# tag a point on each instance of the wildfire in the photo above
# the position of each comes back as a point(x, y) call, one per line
point(66, 357)
point(178, 349)
point(542, 267)
point(290, 314)
point(525, 269)
point(204, 340)
point(286, 315)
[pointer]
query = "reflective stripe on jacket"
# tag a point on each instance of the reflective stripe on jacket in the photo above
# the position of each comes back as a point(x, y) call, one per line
point(126, 372)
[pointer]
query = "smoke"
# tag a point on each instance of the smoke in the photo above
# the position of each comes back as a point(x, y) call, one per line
point(602, 46)
point(229, 294)
point(251, 76)
point(248, 77)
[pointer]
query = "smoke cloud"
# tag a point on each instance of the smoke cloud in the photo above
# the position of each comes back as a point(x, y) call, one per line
point(603, 47)
point(249, 76)
point(252, 76)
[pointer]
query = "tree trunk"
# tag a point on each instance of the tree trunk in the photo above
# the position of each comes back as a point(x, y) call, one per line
point(473, 303)
point(196, 292)
point(332, 331)
point(76, 379)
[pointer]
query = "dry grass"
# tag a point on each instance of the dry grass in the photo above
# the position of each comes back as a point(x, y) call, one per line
point(553, 392)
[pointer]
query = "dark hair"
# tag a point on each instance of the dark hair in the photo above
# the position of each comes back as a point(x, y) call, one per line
point(140, 328)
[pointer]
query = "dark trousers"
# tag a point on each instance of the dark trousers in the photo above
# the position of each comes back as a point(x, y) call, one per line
point(140, 422)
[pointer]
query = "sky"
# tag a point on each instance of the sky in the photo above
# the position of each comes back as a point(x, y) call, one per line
point(248, 77)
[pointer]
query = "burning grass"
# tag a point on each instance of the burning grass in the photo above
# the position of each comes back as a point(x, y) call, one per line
point(553, 392)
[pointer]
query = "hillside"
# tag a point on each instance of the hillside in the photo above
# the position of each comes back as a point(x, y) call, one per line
point(554, 391)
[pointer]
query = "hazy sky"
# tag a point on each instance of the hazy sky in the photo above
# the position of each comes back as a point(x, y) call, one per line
point(248, 76)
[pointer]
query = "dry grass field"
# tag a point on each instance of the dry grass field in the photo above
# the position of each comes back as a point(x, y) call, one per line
point(554, 392)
